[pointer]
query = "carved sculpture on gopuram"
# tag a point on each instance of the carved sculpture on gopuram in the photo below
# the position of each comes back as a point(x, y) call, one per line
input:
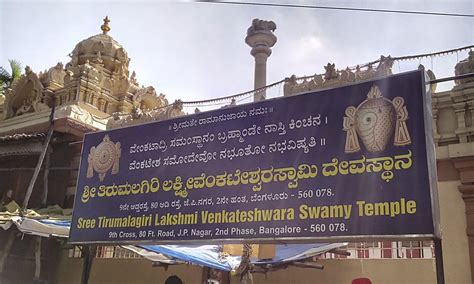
point(331, 73)
point(261, 25)
point(133, 79)
point(90, 88)
point(95, 78)
point(465, 66)
point(146, 99)
point(54, 77)
point(347, 75)
point(141, 113)
point(26, 95)
point(336, 78)
point(385, 66)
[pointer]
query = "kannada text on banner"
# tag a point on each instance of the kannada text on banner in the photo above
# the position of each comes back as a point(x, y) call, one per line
point(344, 162)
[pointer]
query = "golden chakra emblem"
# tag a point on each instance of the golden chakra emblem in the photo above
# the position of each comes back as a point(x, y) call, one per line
point(103, 158)
point(374, 121)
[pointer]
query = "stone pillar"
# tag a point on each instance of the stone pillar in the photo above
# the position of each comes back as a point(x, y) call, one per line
point(466, 172)
point(468, 196)
point(261, 39)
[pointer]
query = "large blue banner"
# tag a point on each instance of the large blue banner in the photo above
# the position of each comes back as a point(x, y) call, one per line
point(342, 163)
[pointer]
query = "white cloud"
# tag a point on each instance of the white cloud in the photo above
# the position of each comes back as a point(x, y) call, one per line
point(307, 47)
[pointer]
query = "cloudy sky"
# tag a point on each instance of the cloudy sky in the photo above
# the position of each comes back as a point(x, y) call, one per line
point(193, 51)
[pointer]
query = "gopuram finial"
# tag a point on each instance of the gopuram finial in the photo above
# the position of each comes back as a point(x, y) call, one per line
point(105, 27)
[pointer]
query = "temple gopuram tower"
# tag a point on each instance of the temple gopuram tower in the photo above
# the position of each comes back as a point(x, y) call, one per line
point(93, 91)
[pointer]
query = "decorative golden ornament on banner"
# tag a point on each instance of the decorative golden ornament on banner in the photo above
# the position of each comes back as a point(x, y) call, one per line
point(104, 157)
point(375, 121)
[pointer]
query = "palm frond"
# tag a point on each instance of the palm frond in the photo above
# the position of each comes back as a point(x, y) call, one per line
point(16, 69)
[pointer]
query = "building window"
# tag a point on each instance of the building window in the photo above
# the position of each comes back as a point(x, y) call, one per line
point(105, 252)
point(386, 250)
point(75, 252)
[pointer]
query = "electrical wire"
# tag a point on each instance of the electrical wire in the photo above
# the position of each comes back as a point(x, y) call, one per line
point(248, 94)
point(233, 96)
point(340, 8)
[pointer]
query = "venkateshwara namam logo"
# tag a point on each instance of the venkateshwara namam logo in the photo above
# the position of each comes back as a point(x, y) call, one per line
point(374, 121)
point(104, 157)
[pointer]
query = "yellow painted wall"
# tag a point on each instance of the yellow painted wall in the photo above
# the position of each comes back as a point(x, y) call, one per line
point(124, 271)
point(119, 271)
point(338, 271)
point(453, 225)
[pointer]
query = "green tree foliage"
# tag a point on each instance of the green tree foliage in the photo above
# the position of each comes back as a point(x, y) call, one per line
point(7, 78)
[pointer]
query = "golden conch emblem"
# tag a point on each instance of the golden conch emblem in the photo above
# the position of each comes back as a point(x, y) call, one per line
point(375, 121)
point(104, 157)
